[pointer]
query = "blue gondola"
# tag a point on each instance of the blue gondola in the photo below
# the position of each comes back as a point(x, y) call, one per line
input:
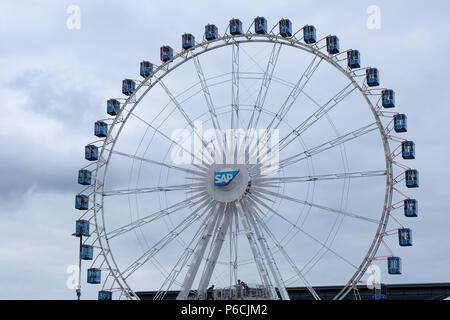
point(394, 265)
point(285, 28)
point(84, 177)
point(411, 207)
point(353, 59)
point(408, 150)
point(405, 237)
point(400, 123)
point(145, 69)
point(332, 44)
point(81, 202)
point(211, 32)
point(187, 41)
point(82, 228)
point(260, 25)
point(165, 53)
point(412, 178)
point(104, 295)
point(94, 276)
point(309, 34)
point(379, 293)
point(113, 107)
point(128, 87)
point(236, 27)
point(372, 77)
point(91, 152)
point(101, 129)
point(87, 252)
point(388, 98)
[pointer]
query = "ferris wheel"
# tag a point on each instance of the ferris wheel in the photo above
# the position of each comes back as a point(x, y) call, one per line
point(253, 160)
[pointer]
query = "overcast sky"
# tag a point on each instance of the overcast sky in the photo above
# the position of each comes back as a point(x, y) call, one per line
point(54, 83)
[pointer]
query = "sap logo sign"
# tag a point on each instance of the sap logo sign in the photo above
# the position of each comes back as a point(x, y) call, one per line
point(224, 178)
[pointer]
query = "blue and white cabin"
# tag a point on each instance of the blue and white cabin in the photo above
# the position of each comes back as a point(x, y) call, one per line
point(394, 265)
point(411, 207)
point(101, 129)
point(309, 34)
point(388, 98)
point(379, 293)
point(260, 25)
point(412, 178)
point(285, 28)
point(165, 53)
point(104, 295)
point(372, 77)
point(128, 87)
point(84, 177)
point(91, 152)
point(82, 228)
point(332, 44)
point(236, 27)
point(211, 32)
point(408, 150)
point(94, 276)
point(187, 41)
point(400, 123)
point(87, 252)
point(113, 107)
point(81, 202)
point(405, 237)
point(145, 69)
point(353, 59)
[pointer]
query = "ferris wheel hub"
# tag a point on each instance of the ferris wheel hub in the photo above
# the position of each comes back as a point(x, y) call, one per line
point(227, 182)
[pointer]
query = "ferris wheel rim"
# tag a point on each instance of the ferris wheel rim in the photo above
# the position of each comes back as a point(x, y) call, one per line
point(185, 55)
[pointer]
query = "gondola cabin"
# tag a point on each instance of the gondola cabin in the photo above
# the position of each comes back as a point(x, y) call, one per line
point(372, 77)
point(104, 295)
point(165, 53)
point(84, 177)
point(405, 237)
point(113, 107)
point(412, 178)
point(211, 32)
point(94, 276)
point(101, 129)
point(128, 87)
point(400, 123)
point(353, 59)
point(236, 27)
point(285, 28)
point(87, 252)
point(379, 292)
point(82, 228)
point(411, 208)
point(394, 265)
point(81, 202)
point(145, 69)
point(187, 41)
point(91, 152)
point(332, 44)
point(388, 98)
point(260, 25)
point(408, 150)
point(309, 34)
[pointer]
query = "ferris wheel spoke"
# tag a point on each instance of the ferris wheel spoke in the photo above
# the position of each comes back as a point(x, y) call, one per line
point(162, 164)
point(200, 251)
point(167, 239)
point(180, 187)
point(323, 147)
point(274, 182)
point(316, 116)
point(314, 205)
point(234, 85)
point(295, 226)
point(285, 254)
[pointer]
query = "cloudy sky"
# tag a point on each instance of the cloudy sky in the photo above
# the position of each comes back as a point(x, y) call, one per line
point(54, 83)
